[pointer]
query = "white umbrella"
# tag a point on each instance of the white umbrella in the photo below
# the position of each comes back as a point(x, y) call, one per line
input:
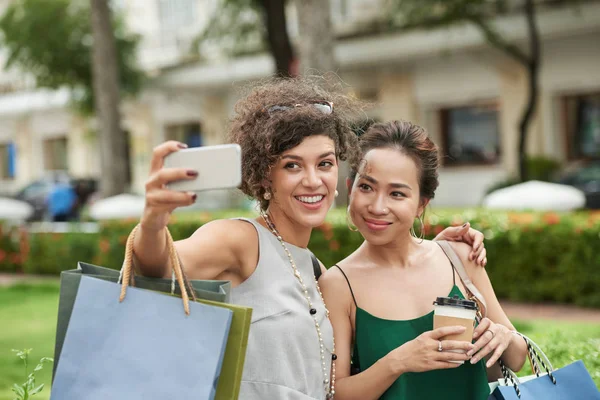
point(536, 195)
point(11, 209)
point(119, 206)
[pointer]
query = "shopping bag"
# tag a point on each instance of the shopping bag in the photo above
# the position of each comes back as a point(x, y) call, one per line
point(144, 347)
point(567, 383)
point(69, 284)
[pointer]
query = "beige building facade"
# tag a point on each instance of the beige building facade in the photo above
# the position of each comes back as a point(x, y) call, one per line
point(468, 95)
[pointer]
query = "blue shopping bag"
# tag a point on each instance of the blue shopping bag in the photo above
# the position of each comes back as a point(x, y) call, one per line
point(572, 382)
point(143, 348)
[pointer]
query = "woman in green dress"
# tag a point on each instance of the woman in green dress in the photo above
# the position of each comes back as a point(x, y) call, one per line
point(380, 297)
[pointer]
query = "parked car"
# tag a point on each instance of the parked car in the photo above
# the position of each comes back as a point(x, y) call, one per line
point(36, 193)
point(586, 178)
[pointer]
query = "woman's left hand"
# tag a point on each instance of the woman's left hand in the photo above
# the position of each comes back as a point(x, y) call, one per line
point(470, 236)
point(492, 339)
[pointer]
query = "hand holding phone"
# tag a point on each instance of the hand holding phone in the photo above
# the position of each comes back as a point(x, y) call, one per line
point(218, 167)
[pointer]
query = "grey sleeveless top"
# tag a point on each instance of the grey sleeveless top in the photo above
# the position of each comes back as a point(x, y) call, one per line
point(283, 360)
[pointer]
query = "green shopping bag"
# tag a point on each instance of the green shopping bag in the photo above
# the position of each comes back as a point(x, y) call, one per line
point(230, 381)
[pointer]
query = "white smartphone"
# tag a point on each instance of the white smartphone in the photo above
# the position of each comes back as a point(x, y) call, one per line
point(218, 167)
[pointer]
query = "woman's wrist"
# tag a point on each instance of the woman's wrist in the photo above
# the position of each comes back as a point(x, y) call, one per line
point(153, 223)
point(514, 338)
point(150, 228)
point(513, 350)
point(394, 363)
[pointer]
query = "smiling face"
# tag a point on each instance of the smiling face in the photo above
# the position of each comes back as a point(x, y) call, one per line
point(303, 181)
point(385, 198)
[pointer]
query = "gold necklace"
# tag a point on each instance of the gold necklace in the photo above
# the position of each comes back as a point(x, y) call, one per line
point(329, 384)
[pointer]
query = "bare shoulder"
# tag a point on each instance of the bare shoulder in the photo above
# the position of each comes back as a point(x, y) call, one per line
point(335, 289)
point(331, 278)
point(220, 246)
point(228, 230)
point(334, 280)
point(463, 250)
point(237, 236)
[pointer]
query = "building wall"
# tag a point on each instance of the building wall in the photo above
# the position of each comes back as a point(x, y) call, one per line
point(456, 80)
point(413, 87)
point(570, 66)
point(423, 87)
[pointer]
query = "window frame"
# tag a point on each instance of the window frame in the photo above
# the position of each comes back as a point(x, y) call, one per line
point(569, 129)
point(444, 119)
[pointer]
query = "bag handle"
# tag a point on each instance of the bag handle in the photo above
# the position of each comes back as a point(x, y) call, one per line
point(534, 357)
point(537, 355)
point(472, 291)
point(127, 274)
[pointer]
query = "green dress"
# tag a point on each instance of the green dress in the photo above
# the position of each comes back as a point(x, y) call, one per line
point(376, 337)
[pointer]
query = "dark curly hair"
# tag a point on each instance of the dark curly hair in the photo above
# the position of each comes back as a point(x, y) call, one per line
point(409, 139)
point(264, 136)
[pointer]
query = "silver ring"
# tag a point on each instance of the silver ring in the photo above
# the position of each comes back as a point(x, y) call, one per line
point(493, 334)
point(440, 348)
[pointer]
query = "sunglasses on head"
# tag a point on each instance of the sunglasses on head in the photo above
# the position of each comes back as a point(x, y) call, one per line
point(326, 107)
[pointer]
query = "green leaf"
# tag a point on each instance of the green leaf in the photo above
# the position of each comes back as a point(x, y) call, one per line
point(37, 389)
point(22, 354)
point(18, 390)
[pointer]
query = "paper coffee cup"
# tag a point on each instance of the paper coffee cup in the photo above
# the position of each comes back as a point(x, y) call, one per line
point(454, 311)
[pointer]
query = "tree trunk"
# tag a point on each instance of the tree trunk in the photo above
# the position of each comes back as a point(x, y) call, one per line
point(316, 36)
point(533, 67)
point(277, 36)
point(106, 95)
point(316, 56)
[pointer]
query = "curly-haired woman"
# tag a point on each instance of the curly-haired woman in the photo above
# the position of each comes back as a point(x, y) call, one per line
point(292, 139)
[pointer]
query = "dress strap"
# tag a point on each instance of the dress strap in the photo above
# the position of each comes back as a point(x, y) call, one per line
point(349, 286)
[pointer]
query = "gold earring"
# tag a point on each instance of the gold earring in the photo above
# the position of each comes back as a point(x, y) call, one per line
point(349, 222)
point(422, 235)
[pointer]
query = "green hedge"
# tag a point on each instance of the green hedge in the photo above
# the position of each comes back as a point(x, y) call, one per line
point(50, 253)
point(531, 257)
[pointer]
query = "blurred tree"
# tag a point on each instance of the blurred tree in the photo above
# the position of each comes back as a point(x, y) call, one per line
point(52, 41)
point(248, 26)
point(105, 74)
point(480, 13)
point(316, 37)
point(241, 27)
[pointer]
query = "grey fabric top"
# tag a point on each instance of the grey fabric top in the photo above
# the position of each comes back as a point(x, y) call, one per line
point(283, 359)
